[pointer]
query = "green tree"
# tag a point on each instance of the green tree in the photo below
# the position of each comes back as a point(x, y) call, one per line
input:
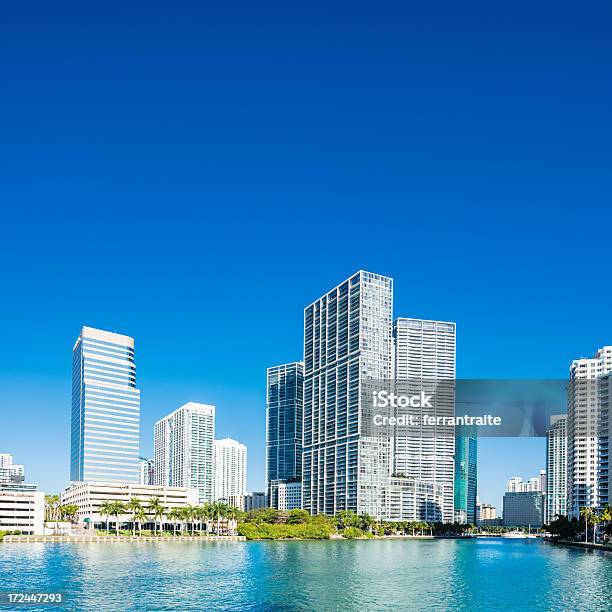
point(68, 511)
point(116, 510)
point(105, 509)
point(157, 510)
point(174, 515)
point(134, 505)
point(586, 513)
point(140, 516)
point(297, 517)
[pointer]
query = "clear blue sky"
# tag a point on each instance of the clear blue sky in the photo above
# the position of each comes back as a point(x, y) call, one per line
point(193, 175)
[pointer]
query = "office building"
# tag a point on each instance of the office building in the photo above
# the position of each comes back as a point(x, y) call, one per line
point(255, 501)
point(183, 449)
point(88, 496)
point(347, 341)
point(285, 495)
point(10, 472)
point(425, 359)
point(556, 468)
point(105, 426)
point(230, 469)
point(584, 423)
point(284, 414)
point(22, 509)
point(523, 509)
point(466, 468)
point(146, 471)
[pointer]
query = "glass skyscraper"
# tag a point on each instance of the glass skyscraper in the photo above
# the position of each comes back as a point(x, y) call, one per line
point(347, 341)
point(284, 405)
point(466, 470)
point(105, 425)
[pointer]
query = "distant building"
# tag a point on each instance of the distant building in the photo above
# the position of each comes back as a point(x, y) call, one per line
point(285, 495)
point(485, 512)
point(255, 501)
point(88, 496)
point(9, 471)
point(146, 471)
point(105, 423)
point(284, 405)
point(523, 509)
point(183, 449)
point(230, 467)
point(556, 468)
point(517, 485)
point(466, 469)
point(22, 509)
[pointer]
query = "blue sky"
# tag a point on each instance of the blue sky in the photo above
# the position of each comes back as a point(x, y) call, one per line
point(195, 176)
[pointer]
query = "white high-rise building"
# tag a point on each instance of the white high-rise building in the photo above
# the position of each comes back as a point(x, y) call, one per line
point(347, 341)
point(517, 485)
point(105, 427)
point(230, 469)
point(9, 471)
point(146, 471)
point(605, 436)
point(425, 353)
point(183, 449)
point(584, 416)
point(556, 468)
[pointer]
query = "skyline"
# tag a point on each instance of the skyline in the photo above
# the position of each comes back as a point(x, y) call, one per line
point(481, 440)
point(196, 180)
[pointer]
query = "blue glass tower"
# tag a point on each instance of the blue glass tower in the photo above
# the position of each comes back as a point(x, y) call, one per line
point(466, 473)
point(284, 402)
point(105, 426)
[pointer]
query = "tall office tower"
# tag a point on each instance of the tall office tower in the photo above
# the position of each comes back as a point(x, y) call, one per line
point(466, 473)
point(605, 435)
point(583, 429)
point(284, 406)
point(347, 342)
point(230, 469)
point(556, 468)
point(105, 430)
point(425, 355)
point(183, 449)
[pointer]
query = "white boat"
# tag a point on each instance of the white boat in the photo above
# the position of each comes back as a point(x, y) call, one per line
point(515, 534)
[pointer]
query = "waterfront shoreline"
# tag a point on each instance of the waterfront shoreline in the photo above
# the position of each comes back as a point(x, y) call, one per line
point(584, 545)
point(97, 539)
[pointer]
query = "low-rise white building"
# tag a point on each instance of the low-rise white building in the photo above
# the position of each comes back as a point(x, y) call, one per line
point(22, 510)
point(89, 496)
point(285, 495)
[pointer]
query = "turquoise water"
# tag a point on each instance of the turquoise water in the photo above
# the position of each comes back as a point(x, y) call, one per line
point(484, 574)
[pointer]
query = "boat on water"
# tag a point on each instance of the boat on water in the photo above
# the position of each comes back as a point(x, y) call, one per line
point(515, 534)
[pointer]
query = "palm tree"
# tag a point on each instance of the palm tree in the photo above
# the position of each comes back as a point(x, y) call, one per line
point(133, 505)
point(116, 509)
point(587, 513)
point(232, 515)
point(207, 512)
point(106, 508)
point(595, 520)
point(156, 508)
point(174, 515)
point(52, 507)
point(140, 516)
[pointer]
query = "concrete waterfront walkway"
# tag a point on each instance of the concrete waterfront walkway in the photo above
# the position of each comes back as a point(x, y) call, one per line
point(118, 539)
